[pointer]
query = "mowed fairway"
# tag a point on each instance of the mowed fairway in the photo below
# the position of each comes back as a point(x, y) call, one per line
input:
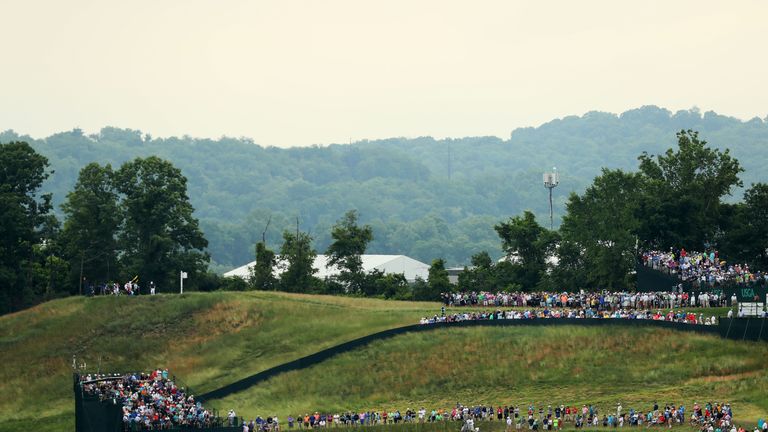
point(206, 339)
point(520, 365)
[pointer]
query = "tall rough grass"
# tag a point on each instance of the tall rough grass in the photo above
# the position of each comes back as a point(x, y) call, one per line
point(212, 339)
point(207, 339)
point(545, 365)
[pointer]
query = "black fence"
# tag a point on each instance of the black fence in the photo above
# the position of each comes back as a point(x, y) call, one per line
point(325, 354)
point(651, 280)
point(93, 414)
point(749, 329)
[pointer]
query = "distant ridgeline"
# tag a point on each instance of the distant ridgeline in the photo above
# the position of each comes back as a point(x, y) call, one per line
point(424, 198)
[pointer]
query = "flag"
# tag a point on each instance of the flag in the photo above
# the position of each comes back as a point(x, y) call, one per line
point(183, 275)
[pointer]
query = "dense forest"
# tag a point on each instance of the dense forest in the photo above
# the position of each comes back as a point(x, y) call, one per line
point(422, 197)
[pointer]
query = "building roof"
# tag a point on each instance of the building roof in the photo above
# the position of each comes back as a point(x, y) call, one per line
point(389, 264)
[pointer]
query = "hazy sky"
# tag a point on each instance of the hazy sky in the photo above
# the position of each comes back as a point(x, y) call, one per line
point(304, 72)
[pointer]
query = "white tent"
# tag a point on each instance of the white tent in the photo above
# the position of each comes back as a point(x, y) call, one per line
point(389, 264)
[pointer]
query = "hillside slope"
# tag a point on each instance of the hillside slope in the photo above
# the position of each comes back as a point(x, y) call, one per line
point(522, 365)
point(206, 339)
point(212, 339)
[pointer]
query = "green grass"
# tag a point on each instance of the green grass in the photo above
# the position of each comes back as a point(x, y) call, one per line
point(492, 426)
point(206, 339)
point(523, 365)
point(486, 426)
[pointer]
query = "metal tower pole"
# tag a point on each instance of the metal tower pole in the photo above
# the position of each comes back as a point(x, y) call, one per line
point(551, 217)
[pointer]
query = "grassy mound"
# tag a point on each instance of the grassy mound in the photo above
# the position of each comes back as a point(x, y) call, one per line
point(212, 339)
point(206, 339)
point(519, 365)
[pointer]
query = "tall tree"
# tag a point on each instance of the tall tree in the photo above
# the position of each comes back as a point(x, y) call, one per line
point(22, 213)
point(683, 189)
point(349, 243)
point(297, 258)
point(436, 284)
point(600, 231)
point(160, 237)
point(747, 237)
point(755, 218)
point(262, 276)
point(570, 272)
point(93, 218)
point(527, 245)
point(480, 276)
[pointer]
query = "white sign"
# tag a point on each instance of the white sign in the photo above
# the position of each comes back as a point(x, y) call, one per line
point(182, 276)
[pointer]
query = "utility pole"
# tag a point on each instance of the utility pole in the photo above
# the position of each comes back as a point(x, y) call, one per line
point(551, 180)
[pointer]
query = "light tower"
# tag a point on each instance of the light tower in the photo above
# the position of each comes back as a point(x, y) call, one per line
point(551, 180)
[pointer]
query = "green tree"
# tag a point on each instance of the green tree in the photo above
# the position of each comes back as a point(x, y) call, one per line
point(755, 219)
point(349, 243)
point(262, 276)
point(480, 276)
point(570, 271)
point(747, 236)
point(527, 245)
point(390, 286)
point(297, 257)
point(23, 212)
point(93, 219)
point(436, 284)
point(682, 195)
point(160, 236)
point(600, 232)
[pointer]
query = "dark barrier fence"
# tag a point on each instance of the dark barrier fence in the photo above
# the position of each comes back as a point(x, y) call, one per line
point(95, 415)
point(325, 354)
point(650, 280)
point(752, 329)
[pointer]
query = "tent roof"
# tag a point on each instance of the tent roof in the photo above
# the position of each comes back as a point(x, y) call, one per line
point(389, 264)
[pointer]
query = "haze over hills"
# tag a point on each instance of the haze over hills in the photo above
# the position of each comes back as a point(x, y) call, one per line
point(425, 198)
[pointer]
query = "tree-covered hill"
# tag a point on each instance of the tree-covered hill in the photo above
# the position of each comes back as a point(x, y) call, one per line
point(423, 197)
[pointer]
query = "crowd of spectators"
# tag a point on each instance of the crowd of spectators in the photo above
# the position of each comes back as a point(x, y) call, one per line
point(130, 288)
point(704, 268)
point(588, 313)
point(600, 301)
point(709, 417)
point(150, 401)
